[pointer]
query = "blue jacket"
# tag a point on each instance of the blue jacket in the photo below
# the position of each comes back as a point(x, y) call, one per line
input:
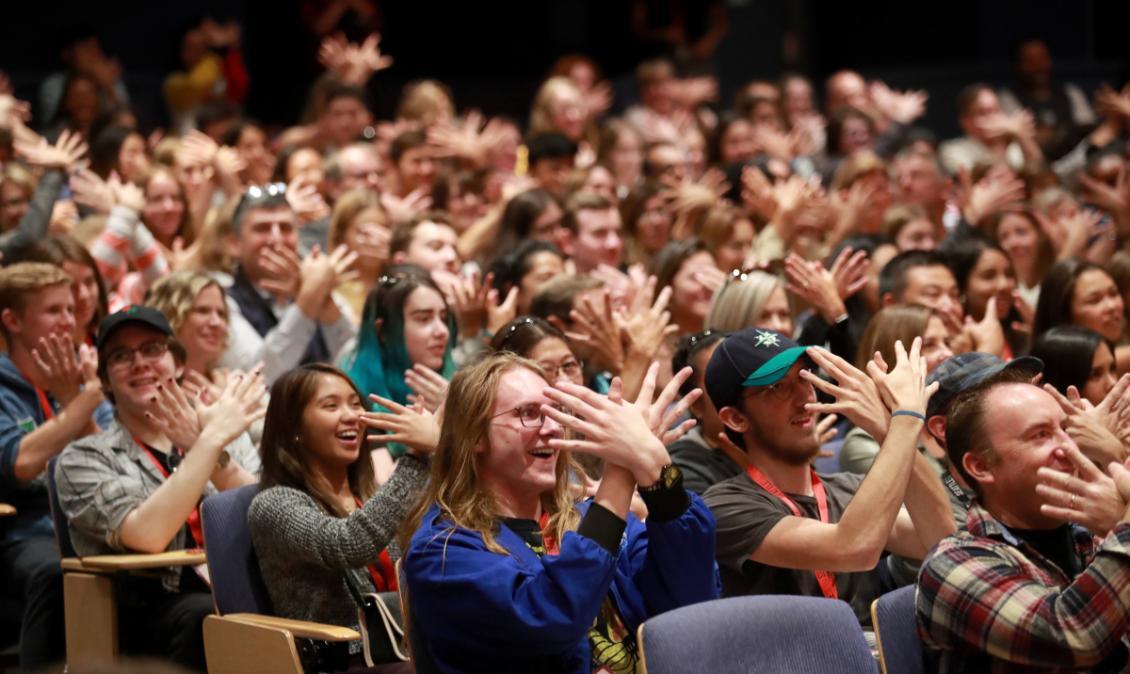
point(21, 414)
point(480, 611)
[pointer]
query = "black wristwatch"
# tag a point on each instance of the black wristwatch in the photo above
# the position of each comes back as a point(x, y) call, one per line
point(668, 476)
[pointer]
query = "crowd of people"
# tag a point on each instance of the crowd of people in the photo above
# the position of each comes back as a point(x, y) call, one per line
point(569, 372)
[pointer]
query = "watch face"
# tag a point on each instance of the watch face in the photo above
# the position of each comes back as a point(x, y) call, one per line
point(670, 474)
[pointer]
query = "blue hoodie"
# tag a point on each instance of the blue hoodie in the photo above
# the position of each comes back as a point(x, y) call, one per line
point(20, 414)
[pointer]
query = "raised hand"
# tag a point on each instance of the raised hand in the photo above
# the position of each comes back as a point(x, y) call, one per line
point(468, 298)
point(176, 411)
point(645, 330)
point(992, 195)
point(285, 269)
point(64, 155)
point(307, 203)
point(899, 106)
point(92, 191)
point(1088, 497)
point(54, 358)
point(404, 209)
point(595, 326)
point(856, 394)
point(904, 386)
point(13, 112)
point(413, 426)
point(501, 313)
point(1090, 426)
point(126, 193)
point(625, 435)
point(814, 284)
point(987, 334)
point(850, 271)
point(429, 388)
point(239, 405)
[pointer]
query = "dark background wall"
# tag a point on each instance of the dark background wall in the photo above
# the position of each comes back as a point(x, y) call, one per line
point(493, 54)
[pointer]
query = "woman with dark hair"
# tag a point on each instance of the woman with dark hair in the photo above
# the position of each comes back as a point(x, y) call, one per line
point(528, 268)
point(1081, 293)
point(119, 149)
point(320, 524)
point(688, 268)
point(86, 281)
point(537, 340)
point(647, 220)
point(984, 272)
point(533, 214)
point(250, 141)
point(732, 142)
point(1079, 357)
point(403, 350)
point(621, 150)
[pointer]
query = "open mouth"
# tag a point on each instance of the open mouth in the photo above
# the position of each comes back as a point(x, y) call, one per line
point(348, 437)
point(542, 453)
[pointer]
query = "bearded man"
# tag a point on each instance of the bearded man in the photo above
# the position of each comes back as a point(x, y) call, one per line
point(784, 529)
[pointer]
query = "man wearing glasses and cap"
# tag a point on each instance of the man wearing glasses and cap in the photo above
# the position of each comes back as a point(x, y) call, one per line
point(136, 486)
point(783, 529)
point(283, 312)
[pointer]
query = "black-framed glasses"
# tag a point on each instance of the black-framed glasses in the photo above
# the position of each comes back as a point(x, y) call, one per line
point(530, 415)
point(122, 356)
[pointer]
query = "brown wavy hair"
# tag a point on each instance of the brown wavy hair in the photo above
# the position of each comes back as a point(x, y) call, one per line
point(286, 461)
point(455, 485)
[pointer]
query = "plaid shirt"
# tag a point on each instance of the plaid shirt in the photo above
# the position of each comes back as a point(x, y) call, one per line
point(992, 603)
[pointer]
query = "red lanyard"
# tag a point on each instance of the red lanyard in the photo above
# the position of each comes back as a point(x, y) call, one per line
point(550, 541)
point(193, 517)
point(48, 413)
point(826, 579)
point(382, 572)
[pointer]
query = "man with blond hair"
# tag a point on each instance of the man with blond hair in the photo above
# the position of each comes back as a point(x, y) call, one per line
point(49, 396)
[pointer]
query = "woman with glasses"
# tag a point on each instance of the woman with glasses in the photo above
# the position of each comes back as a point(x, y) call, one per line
point(321, 523)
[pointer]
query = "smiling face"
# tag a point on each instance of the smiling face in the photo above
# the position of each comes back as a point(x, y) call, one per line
point(992, 276)
point(1096, 304)
point(425, 327)
point(204, 332)
point(47, 311)
point(690, 297)
point(1017, 235)
point(331, 424)
point(84, 287)
point(135, 365)
point(516, 462)
point(164, 207)
point(1024, 429)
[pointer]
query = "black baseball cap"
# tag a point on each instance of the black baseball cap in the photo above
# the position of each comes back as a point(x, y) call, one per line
point(135, 313)
point(750, 357)
point(966, 370)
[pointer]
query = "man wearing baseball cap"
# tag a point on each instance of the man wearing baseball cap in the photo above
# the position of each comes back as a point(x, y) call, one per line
point(136, 486)
point(783, 529)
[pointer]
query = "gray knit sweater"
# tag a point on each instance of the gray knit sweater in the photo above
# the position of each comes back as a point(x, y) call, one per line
point(304, 552)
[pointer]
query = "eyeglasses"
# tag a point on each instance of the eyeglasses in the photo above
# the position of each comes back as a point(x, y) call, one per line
point(570, 368)
point(781, 390)
point(122, 356)
point(530, 415)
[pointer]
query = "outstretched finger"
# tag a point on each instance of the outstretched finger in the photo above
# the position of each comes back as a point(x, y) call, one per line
point(390, 405)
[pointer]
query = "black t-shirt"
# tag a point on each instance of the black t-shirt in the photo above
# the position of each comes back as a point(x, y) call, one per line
point(745, 514)
point(1057, 545)
point(702, 466)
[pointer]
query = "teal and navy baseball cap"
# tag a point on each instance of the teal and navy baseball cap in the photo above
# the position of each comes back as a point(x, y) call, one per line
point(750, 357)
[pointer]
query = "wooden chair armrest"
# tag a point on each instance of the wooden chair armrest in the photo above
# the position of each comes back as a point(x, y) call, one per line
point(6, 510)
point(130, 562)
point(299, 628)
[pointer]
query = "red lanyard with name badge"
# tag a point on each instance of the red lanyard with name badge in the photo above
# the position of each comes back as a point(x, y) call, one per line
point(194, 517)
point(826, 579)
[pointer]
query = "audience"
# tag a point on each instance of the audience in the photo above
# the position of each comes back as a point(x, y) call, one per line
point(524, 314)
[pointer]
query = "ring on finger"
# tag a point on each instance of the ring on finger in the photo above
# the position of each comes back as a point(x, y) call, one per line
point(1072, 503)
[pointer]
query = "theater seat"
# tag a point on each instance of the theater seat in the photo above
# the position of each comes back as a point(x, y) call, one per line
point(244, 636)
point(90, 610)
point(896, 631)
point(772, 634)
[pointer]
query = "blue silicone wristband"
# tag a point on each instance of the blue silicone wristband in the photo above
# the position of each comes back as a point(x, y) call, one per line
point(908, 413)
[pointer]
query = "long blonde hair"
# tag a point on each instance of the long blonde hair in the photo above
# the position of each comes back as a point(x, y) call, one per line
point(456, 485)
